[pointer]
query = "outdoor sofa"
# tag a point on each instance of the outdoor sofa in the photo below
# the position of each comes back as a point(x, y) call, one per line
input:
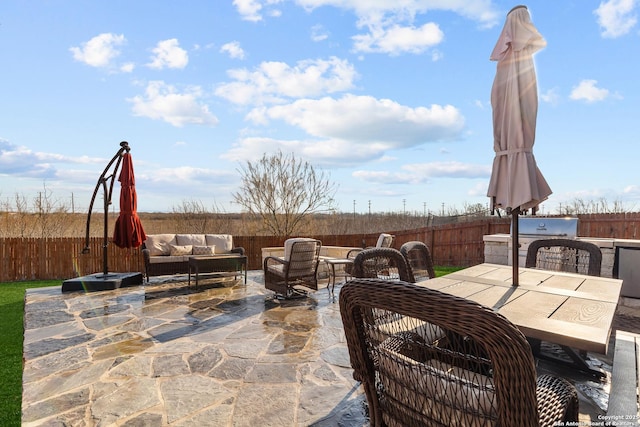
point(168, 254)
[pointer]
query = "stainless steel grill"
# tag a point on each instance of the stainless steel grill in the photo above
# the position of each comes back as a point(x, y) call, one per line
point(535, 228)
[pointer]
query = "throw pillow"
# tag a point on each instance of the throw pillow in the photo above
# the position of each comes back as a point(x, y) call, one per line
point(181, 250)
point(204, 250)
point(159, 244)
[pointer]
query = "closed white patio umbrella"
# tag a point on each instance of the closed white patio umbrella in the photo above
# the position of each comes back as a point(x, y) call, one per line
point(516, 182)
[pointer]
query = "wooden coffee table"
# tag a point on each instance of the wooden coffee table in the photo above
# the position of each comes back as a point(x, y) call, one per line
point(217, 264)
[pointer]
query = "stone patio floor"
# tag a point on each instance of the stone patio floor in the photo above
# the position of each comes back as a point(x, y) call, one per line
point(225, 354)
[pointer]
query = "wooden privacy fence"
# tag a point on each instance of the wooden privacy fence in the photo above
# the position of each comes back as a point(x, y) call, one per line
point(61, 258)
point(458, 244)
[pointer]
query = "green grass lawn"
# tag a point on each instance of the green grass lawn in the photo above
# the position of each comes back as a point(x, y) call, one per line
point(11, 315)
point(11, 319)
point(441, 271)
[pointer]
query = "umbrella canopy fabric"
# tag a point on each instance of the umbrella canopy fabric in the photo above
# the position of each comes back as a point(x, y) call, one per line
point(516, 182)
point(128, 232)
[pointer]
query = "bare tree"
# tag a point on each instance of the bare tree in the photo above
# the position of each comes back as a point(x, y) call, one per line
point(283, 191)
point(52, 217)
point(601, 206)
point(21, 218)
point(5, 215)
point(193, 217)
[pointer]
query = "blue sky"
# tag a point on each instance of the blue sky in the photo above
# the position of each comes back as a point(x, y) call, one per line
point(391, 98)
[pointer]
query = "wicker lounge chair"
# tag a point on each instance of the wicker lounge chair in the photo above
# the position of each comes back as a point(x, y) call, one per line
point(299, 267)
point(572, 256)
point(419, 259)
point(381, 263)
point(445, 361)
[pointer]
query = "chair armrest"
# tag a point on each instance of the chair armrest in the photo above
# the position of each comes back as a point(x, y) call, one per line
point(238, 250)
point(274, 260)
point(353, 252)
point(146, 254)
point(557, 400)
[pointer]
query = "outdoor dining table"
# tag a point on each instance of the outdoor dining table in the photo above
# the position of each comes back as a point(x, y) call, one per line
point(571, 310)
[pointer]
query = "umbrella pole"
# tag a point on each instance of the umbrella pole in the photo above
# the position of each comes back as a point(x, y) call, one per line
point(107, 190)
point(515, 247)
point(105, 241)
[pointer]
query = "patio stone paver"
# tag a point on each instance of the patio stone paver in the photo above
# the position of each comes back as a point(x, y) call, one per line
point(225, 354)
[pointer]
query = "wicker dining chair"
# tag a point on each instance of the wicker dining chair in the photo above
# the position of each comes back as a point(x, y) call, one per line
point(298, 267)
point(418, 257)
point(385, 240)
point(571, 256)
point(444, 361)
point(381, 263)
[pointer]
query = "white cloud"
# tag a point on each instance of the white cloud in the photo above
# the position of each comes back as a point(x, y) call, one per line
point(251, 10)
point(589, 92)
point(100, 50)
point(233, 49)
point(22, 161)
point(368, 11)
point(319, 33)
point(384, 177)
point(551, 96)
point(479, 190)
point(616, 17)
point(351, 130)
point(271, 82)
point(163, 102)
point(171, 184)
point(397, 39)
point(632, 189)
point(168, 54)
point(326, 152)
point(449, 170)
point(128, 67)
point(478, 103)
point(390, 24)
point(420, 173)
point(366, 120)
point(187, 176)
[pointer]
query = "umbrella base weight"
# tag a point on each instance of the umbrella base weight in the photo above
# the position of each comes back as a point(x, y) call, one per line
point(102, 282)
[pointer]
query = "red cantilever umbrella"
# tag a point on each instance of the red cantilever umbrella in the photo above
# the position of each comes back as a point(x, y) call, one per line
point(128, 232)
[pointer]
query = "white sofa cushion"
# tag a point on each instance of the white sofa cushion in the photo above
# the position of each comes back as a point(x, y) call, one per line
point(204, 250)
point(159, 244)
point(222, 242)
point(191, 239)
